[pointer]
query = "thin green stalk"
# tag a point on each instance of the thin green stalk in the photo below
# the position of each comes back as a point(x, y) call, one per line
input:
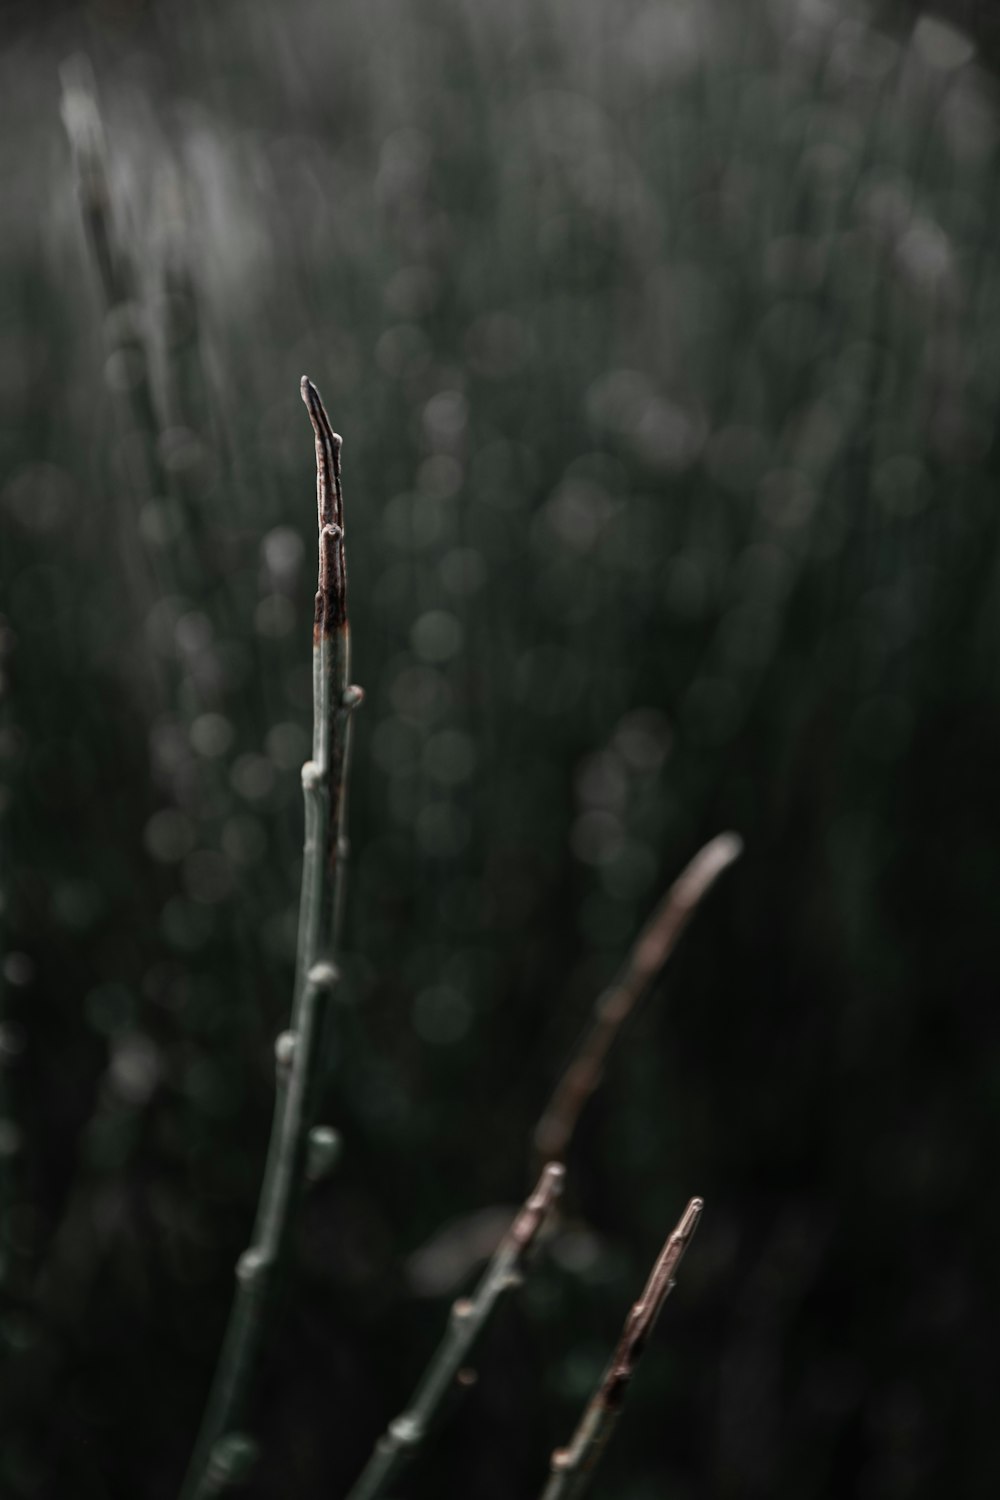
point(467, 1321)
point(650, 951)
point(573, 1466)
point(222, 1450)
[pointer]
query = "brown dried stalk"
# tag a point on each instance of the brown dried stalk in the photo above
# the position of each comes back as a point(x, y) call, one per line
point(468, 1318)
point(614, 1005)
point(573, 1466)
point(222, 1448)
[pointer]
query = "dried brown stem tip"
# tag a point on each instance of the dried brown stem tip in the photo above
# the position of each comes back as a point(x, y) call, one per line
point(529, 1221)
point(642, 1319)
point(573, 1465)
point(331, 594)
point(649, 953)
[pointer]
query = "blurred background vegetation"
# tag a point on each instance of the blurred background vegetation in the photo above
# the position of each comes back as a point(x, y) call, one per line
point(664, 338)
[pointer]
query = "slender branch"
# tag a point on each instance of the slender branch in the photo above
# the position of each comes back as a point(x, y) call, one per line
point(654, 945)
point(468, 1318)
point(324, 777)
point(573, 1466)
point(121, 282)
point(123, 267)
point(299, 1050)
point(10, 1133)
point(85, 129)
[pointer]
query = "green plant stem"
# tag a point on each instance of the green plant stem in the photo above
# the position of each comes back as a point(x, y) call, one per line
point(298, 1051)
point(654, 945)
point(468, 1318)
point(573, 1466)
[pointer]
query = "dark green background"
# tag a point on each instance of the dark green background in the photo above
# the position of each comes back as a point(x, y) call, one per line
point(665, 343)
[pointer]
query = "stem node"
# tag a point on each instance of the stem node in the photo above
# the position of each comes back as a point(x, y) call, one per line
point(284, 1052)
point(323, 976)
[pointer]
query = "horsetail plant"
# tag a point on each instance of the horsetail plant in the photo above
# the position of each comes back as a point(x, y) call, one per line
point(223, 1451)
point(573, 1465)
point(299, 1151)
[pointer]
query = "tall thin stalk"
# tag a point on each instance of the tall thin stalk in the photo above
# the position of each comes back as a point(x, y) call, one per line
point(221, 1448)
point(10, 1135)
point(467, 1321)
point(124, 331)
point(126, 273)
point(573, 1465)
point(650, 951)
point(85, 129)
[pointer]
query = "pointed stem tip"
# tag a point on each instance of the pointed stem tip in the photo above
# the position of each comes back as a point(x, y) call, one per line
point(317, 412)
point(689, 1219)
point(661, 1277)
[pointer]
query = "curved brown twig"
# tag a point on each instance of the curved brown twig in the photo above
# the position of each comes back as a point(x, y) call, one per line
point(614, 1005)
